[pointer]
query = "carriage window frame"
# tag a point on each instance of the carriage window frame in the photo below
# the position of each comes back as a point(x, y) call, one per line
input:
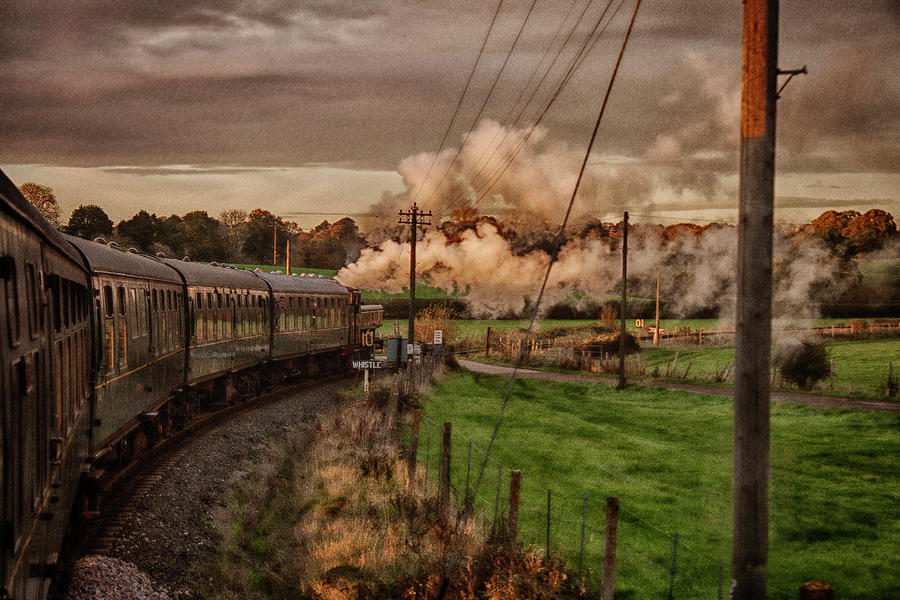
point(109, 309)
point(34, 306)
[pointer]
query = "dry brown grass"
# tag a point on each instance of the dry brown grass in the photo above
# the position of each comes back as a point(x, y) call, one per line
point(329, 516)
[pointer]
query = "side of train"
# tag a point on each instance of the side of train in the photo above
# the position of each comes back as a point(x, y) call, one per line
point(104, 352)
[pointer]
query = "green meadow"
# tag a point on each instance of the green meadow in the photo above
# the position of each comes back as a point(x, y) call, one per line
point(835, 487)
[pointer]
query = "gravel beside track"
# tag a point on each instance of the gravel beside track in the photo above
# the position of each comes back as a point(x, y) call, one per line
point(161, 526)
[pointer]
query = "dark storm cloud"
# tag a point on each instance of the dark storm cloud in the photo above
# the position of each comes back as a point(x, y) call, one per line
point(285, 83)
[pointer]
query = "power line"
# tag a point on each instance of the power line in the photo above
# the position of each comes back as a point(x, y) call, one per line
point(462, 96)
point(512, 379)
point(586, 47)
point(486, 100)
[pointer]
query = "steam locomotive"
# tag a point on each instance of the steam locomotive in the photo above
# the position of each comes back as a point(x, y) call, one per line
point(106, 351)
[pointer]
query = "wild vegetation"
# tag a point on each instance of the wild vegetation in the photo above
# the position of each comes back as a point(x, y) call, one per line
point(328, 516)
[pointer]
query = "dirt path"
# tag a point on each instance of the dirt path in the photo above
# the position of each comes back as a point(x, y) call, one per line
point(810, 399)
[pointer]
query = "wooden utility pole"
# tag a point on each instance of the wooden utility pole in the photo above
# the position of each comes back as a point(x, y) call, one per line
point(656, 331)
point(413, 217)
point(287, 266)
point(275, 246)
point(608, 580)
point(622, 382)
point(754, 301)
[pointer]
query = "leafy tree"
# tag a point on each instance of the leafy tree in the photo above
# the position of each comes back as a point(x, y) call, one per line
point(869, 231)
point(141, 230)
point(804, 364)
point(260, 233)
point(89, 221)
point(233, 221)
point(203, 240)
point(170, 233)
point(43, 199)
point(829, 227)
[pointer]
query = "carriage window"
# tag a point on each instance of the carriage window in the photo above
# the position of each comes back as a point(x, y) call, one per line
point(8, 270)
point(121, 300)
point(218, 300)
point(155, 302)
point(108, 300)
point(67, 302)
point(33, 300)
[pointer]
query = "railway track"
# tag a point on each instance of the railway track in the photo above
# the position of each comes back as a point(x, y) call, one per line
point(161, 513)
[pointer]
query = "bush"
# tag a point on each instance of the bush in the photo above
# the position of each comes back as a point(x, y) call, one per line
point(804, 364)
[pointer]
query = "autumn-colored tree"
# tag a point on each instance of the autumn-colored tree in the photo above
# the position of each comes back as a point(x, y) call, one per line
point(829, 226)
point(869, 231)
point(43, 199)
point(89, 221)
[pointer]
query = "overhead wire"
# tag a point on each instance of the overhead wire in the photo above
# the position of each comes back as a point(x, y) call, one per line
point(462, 96)
point(482, 165)
point(585, 49)
point(528, 332)
point(487, 98)
point(456, 110)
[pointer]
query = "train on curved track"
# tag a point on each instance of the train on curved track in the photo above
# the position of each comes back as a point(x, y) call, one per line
point(106, 351)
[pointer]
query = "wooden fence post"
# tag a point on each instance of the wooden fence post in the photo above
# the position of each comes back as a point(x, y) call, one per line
point(487, 342)
point(413, 449)
point(608, 581)
point(445, 473)
point(513, 529)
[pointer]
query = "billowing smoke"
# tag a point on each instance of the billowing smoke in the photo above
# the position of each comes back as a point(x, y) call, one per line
point(498, 263)
point(697, 269)
point(529, 178)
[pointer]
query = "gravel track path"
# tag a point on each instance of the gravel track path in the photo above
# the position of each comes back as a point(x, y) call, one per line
point(810, 399)
point(160, 527)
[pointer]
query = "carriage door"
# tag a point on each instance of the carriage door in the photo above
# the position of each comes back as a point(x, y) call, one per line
point(148, 309)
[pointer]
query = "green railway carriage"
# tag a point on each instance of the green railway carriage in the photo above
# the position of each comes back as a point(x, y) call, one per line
point(138, 307)
point(228, 314)
point(45, 383)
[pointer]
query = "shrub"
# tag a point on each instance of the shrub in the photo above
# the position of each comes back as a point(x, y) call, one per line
point(803, 364)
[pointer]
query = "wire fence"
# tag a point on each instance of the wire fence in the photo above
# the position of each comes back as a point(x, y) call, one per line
point(651, 559)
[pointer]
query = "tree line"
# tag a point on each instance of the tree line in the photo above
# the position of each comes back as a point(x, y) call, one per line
point(236, 236)
point(258, 236)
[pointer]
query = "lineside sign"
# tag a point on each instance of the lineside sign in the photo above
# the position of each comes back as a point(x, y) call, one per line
point(367, 364)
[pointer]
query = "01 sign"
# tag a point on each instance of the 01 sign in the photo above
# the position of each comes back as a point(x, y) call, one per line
point(368, 339)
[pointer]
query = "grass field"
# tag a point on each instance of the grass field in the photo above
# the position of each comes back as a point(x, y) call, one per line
point(835, 495)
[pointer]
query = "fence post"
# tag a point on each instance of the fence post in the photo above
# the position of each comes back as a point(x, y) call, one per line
point(891, 388)
point(608, 581)
point(487, 342)
point(513, 529)
point(413, 448)
point(583, 526)
point(468, 471)
point(427, 452)
point(832, 374)
point(445, 473)
point(674, 566)
point(497, 495)
point(547, 554)
point(721, 577)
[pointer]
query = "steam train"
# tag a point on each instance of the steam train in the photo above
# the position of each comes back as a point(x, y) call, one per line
point(106, 351)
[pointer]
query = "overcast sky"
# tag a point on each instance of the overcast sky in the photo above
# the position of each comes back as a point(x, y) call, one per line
point(312, 107)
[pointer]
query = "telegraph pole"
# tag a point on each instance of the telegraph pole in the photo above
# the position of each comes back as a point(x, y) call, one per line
point(754, 301)
point(414, 217)
point(622, 382)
